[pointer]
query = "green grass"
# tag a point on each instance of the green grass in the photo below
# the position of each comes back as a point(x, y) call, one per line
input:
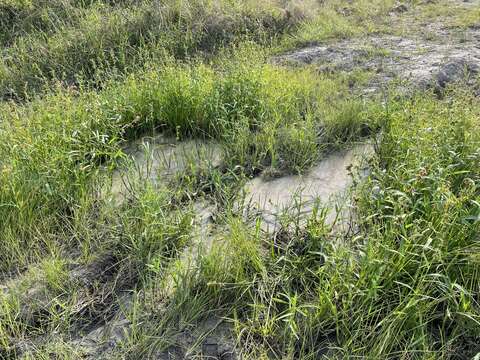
point(69, 44)
point(406, 284)
point(89, 78)
point(452, 16)
point(53, 147)
point(23, 17)
point(340, 20)
point(106, 41)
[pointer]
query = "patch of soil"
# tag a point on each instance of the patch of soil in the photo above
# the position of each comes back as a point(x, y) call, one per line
point(211, 339)
point(99, 292)
point(432, 54)
point(419, 62)
point(102, 340)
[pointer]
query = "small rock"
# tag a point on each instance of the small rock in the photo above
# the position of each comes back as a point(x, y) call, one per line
point(399, 9)
point(456, 70)
point(210, 349)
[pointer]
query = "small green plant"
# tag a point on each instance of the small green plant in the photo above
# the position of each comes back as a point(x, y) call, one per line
point(55, 275)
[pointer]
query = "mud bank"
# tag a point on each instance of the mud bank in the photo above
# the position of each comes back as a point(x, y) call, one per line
point(418, 62)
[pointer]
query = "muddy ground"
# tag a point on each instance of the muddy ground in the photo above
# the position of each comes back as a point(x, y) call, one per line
point(433, 56)
point(416, 58)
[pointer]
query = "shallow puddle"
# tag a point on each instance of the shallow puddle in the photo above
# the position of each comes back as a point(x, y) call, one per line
point(158, 158)
point(326, 184)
